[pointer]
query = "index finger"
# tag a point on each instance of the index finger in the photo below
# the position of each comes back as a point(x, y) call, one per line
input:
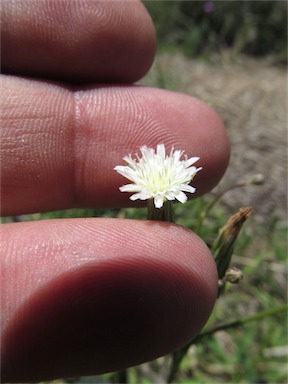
point(77, 41)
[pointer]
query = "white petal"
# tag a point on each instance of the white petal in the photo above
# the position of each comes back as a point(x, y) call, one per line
point(188, 188)
point(126, 172)
point(132, 163)
point(141, 196)
point(180, 196)
point(144, 195)
point(120, 168)
point(191, 161)
point(134, 197)
point(170, 196)
point(130, 188)
point(144, 149)
point(147, 153)
point(158, 201)
point(177, 155)
point(161, 150)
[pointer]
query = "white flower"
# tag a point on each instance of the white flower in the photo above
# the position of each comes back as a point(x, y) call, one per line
point(158, 176)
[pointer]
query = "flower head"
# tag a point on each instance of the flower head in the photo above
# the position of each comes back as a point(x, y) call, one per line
point(158, 176)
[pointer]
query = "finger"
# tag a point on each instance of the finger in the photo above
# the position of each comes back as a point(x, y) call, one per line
point(77, 41)
point(97, 295)
point(59, 148)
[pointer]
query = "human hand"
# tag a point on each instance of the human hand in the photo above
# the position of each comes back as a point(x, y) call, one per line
point(86, 296)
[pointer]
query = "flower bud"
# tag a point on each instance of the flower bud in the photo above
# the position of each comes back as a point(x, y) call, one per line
point(233, 275)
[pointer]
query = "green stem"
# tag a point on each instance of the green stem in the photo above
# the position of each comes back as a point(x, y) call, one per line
point(180, 354)
point(163, 214)
point(237, 323)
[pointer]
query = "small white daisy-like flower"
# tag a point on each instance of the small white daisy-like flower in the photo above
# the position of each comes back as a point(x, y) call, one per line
point(158, 176)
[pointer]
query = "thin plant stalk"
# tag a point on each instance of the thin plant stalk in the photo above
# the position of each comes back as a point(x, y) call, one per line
point(180, 354)
point(163, 214)
point(206, 211)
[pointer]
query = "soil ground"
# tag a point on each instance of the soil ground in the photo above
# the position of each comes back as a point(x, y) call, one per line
point(251, 98)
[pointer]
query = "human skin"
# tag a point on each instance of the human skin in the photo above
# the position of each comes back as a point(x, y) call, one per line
point(87, 296)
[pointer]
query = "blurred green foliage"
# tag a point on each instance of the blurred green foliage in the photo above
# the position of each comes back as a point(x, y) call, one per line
point(203, 28)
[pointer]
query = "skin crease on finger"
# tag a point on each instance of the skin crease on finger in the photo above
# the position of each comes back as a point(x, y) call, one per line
point(59, 147)
point(90, 298)
point(77, 41)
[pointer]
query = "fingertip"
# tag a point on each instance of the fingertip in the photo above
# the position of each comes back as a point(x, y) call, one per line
point(129, 292)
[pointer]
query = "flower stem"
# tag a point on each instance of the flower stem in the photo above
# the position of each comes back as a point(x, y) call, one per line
point(164, 213)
